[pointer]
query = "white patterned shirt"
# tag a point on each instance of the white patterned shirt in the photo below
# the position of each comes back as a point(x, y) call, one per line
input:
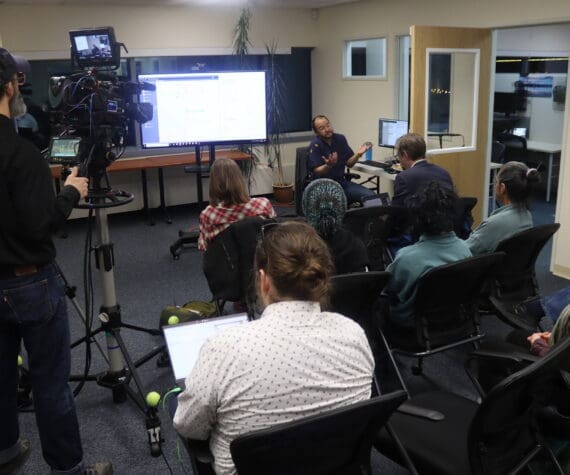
point(294, 362)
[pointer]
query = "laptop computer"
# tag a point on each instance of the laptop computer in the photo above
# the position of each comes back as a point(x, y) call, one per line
point(184, 341)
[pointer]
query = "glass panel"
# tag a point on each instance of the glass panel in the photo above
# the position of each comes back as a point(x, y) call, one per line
point(451, 113)
point(365, 58)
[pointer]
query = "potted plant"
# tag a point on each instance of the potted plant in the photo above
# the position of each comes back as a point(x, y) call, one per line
point(282, 190)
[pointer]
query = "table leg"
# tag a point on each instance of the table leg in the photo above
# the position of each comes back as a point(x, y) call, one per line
point(162, 200)
point(549, 179)
point(146, 209)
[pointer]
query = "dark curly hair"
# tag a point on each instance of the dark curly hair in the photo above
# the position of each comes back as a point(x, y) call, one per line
point(434, 208)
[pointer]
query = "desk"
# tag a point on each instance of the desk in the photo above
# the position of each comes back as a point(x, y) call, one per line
point(550, 149)
point(159, 162)
point(440, 135)
point(386, 179)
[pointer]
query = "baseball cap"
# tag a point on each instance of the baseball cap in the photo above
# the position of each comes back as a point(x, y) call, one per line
point(11, 64)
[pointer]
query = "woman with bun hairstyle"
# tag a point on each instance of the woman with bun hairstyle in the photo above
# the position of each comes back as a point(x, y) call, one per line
point(229, 201)
point(295, 361)
point(513, 188)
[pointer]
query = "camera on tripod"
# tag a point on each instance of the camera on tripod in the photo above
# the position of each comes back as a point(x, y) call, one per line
point(91, 110)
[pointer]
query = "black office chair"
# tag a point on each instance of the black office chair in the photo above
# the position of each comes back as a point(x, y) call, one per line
point(515, 147)
point(464, 216)
point(375, 225)
point(446, 309)
point(228, 263)
point(515, 281)
point(336, 442)
point(498, 436)
point(498, 152)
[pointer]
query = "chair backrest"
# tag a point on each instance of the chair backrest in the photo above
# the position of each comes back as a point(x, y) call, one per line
point(301, 177)
point(498, 152)
point(503, 430)
point(515, 147)
point(228, 260)
point(334, 442)
point(516, 277)
point(355, 295)
point(446, 304)
point(374, 225)
point(464, 216)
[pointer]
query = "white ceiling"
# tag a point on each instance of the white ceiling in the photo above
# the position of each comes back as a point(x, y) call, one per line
point(310, 4)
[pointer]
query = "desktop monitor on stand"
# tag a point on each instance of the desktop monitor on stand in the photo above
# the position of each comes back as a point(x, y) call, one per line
point(390, 130)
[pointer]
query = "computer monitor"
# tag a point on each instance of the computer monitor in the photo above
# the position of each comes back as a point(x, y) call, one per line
point(390, 130)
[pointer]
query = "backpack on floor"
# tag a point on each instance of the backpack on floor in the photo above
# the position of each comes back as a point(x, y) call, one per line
point(190, 311)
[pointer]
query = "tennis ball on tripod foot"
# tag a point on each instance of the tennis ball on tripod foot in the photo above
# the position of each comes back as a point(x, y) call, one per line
point(173, 320)
point(20, 361)
point(152, 399)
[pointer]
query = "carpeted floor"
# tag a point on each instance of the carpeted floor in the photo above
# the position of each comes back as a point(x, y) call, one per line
point(146, 279)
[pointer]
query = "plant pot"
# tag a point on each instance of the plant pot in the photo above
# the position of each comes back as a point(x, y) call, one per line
point(283, 194)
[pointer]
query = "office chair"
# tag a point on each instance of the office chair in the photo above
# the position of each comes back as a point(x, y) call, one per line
point(445, 310)
point(515, 147)
point(228, 262)
point(464, 216)
point(375, 225)
point(498, 152)
point(497, 436)
point(337, 442)
point(515, 281)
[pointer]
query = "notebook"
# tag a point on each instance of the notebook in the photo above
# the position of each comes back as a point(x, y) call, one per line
point(184, 341)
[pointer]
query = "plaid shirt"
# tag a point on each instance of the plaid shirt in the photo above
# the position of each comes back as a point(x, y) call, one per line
point(214, 219)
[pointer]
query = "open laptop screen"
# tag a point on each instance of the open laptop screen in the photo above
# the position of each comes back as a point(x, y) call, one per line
point(185, 340)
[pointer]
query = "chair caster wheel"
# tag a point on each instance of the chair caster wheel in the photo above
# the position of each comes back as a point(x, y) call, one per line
point(155, 449)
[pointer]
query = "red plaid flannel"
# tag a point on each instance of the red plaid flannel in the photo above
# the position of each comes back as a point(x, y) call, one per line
point(214, 219)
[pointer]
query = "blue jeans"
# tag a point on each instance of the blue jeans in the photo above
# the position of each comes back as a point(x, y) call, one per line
point(355, 192)
point(553, 304)
point(33, 309)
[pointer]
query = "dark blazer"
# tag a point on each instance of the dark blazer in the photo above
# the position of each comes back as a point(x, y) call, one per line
point(409, 181)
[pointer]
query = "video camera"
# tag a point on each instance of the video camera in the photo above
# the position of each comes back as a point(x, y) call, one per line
point(91, 111)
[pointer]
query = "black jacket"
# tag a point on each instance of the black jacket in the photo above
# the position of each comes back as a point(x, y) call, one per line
point(410, 181)
point(30, 212)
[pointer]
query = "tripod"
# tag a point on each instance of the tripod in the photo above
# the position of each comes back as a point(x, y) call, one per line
point(121, 366)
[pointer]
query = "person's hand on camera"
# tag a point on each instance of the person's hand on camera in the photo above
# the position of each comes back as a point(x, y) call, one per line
point(80, 183)
point(331, 159)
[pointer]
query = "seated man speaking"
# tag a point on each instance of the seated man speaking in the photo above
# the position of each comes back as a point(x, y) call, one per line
point(329, 154)
point(295, 361)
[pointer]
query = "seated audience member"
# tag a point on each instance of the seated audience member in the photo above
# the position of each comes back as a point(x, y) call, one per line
point(324, 206)
point(417, 172)
point(330, 154)
point(295, 361)
point(512, 190)
point(434, 210)
point(229, 201)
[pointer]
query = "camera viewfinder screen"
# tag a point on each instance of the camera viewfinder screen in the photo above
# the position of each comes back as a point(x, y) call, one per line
point(93, 46)
point(201, 108)
point(64, 148)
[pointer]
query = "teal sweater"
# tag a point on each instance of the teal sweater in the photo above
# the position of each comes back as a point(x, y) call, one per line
point(411, 263)
point(503, 223)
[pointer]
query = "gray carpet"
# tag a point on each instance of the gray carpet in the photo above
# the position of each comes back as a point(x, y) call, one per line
point(147, 279)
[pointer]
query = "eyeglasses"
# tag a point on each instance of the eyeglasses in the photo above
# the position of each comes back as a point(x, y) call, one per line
point(266, 228)
point(21, 77)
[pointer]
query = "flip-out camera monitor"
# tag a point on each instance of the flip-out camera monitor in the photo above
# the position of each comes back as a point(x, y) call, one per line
point(95, 47)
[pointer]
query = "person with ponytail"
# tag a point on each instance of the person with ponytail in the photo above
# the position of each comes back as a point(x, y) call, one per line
point(295, 361)
point(324, 206)
point(513, 188)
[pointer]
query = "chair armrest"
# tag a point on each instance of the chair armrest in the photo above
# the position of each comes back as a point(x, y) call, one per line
point(200, 449)
point(411, 409)
point(503, 355)
point(352, 176)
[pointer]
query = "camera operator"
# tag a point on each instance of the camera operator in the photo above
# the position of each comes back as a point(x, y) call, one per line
point(32, 300)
